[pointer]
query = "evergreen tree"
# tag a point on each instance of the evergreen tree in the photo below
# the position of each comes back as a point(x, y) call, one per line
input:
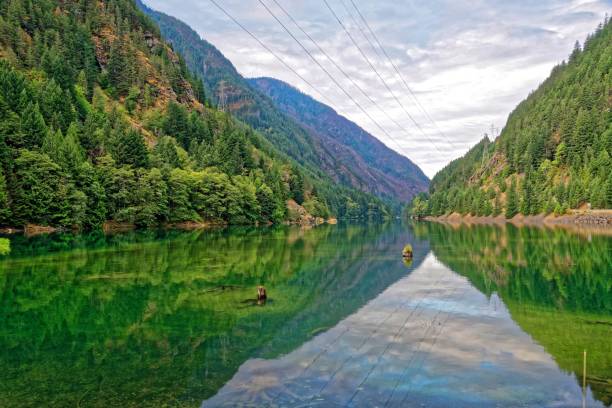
point(71, 152)
point(576, 52)
point(56, 67)
point(151, 199)
point(529, 204)
point(33, 126)
point(130, 149)
point(5, 211)
point(76, 203)
point(267, 202)
point(87, 182)
point(72, 147)
point(512, 200)
point(166, 151)
point(497, 207)
point(120, 68)
point(296, 186)
point(561, 134)
point(10, 128)
point(176, 124)
point(36, 189)
point(131, 101)
point(52, 145)
point(199, 130)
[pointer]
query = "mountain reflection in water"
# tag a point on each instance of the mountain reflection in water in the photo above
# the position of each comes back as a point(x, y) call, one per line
point(431, 339)
point(483, 316)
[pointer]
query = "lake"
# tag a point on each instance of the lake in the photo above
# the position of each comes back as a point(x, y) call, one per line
point(482, 316)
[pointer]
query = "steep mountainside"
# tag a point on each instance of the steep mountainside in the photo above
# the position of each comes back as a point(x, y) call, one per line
point(329, 143)
point(554, 153)
point(100, 120)
point(369, 163)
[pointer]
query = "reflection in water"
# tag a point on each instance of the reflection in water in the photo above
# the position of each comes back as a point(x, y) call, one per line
point(157, 319)
point(496, 316)
point(557, 286)
point(431, 339)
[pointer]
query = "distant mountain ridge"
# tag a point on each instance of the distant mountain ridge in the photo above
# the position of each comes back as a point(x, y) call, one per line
point(371, 165)
point(330, 144)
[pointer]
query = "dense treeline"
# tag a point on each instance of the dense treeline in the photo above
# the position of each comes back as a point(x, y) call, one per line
point(101, 120)
point(316, 154)
point(554, 153)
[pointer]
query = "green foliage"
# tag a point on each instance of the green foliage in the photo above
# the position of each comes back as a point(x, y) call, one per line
point(267, 203)
point(316, 208)
point(87, 181)
point(555, 283)
point(181, 184)
point(166, 152)
point(512, 205)
point(33, 126)
point(419, 207)
point(147, 308)
point(37, 190)
point(176, 123)
point(5, 211)
point(296, 187)
point(128, 148)
point(557, 142)
point(336, 177)
point(100, 121)
point(121, 66)
point(131, 101)
point(5, 246)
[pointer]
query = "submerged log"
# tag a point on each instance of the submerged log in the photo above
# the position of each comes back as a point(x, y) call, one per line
point(407, 252)
point(261, 293)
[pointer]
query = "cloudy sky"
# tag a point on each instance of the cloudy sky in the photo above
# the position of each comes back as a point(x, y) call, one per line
point(468, 62)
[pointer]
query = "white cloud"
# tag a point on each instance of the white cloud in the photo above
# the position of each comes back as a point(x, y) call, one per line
point(469, 62)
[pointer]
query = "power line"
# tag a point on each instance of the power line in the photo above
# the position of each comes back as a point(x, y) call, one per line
point(268, 49)
point(326, 71)
point(341, 70)
point(399, 73)
point(224, 11)
point(348, 33)
point(354, 20)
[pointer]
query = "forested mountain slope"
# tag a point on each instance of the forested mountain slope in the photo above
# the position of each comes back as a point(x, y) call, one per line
point(554, 153)
point(327, 143)
point(101, 120)
point(369, 163)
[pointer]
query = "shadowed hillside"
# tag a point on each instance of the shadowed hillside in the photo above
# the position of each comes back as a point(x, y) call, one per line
point(326, 142)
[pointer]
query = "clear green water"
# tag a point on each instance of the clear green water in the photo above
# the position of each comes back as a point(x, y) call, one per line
point(168, 318)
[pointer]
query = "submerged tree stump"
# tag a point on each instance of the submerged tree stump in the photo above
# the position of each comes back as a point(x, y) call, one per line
point(261, 293)
point(407, 252)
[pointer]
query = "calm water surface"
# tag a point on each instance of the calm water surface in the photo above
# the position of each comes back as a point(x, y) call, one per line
point(482, 317)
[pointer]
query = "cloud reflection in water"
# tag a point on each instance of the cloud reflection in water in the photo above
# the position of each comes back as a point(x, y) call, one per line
point(431, 339)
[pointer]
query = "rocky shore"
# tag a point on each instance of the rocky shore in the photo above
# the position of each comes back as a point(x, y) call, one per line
point(586, 218)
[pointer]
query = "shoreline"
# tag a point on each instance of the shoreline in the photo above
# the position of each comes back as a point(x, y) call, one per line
point(577, 220)
point(112, 227)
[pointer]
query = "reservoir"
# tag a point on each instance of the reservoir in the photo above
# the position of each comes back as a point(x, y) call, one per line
point(482, 316)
